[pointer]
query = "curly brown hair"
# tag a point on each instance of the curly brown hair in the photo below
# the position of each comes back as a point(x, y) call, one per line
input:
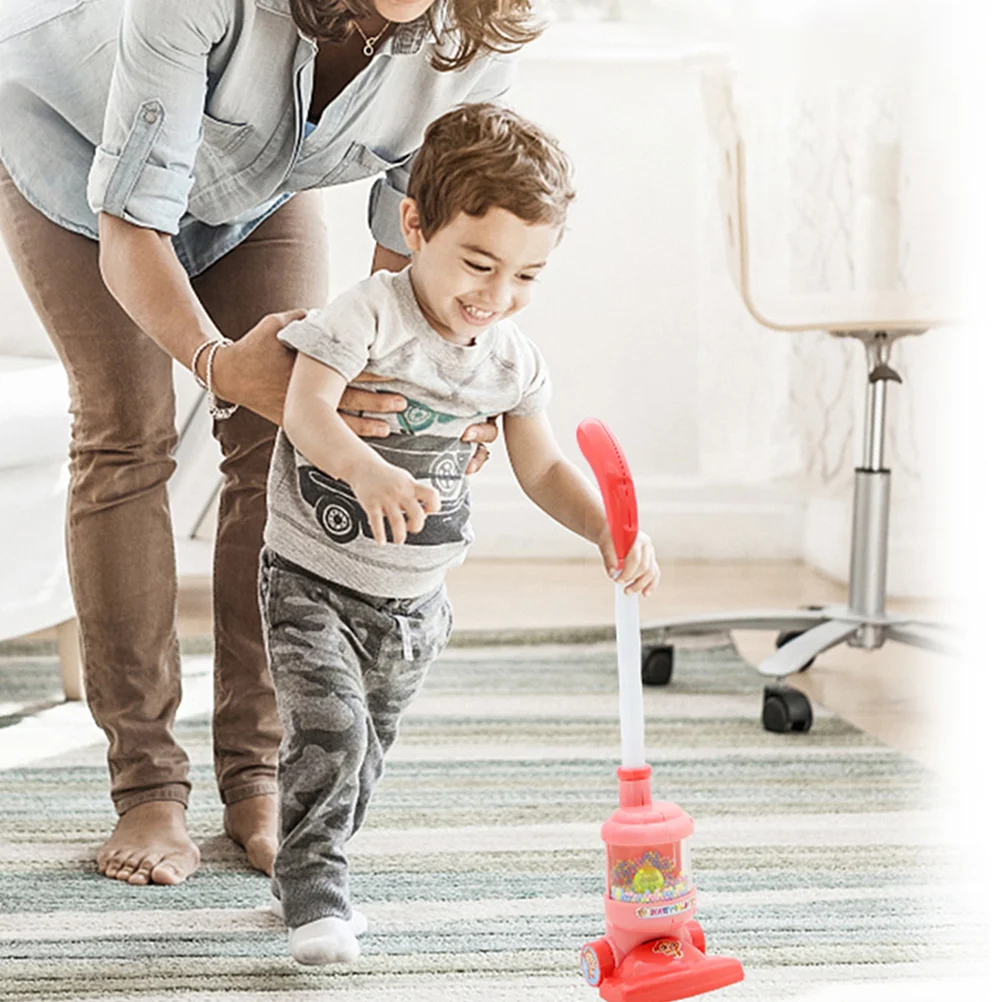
point(481, 156)
point(474, 26)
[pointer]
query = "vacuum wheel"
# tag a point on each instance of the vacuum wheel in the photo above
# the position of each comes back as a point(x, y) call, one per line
point(785, 637)
point(657, 665)
point(785, 709)
point(597, 961)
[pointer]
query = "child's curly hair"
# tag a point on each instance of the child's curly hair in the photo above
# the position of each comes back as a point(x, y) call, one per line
point(474, 26)
point(479, 156)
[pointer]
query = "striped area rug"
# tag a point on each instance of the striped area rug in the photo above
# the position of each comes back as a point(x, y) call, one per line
point(818, 858)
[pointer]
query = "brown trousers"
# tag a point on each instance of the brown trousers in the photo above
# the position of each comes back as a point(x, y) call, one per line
point(119, 537)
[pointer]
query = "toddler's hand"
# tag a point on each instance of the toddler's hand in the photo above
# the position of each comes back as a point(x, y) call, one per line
point(388, 492)
point(640, 574)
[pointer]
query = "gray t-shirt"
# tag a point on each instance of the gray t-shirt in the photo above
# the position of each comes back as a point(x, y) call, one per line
point(377, 326)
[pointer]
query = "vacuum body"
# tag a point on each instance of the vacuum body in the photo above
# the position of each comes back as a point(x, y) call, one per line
point(653, 949)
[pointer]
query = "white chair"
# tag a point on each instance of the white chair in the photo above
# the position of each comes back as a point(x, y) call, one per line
point(877, 320)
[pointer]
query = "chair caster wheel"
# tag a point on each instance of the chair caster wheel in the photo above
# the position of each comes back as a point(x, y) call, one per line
point(785, 637)
point(657, 665)
point(785, 709)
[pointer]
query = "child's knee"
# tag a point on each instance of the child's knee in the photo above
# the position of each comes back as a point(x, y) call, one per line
point(331, 736)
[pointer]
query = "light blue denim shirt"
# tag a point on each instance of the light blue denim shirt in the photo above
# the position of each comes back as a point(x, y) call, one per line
point(189, 116)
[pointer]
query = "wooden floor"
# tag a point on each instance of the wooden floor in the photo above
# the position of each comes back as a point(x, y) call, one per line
point(893, 693)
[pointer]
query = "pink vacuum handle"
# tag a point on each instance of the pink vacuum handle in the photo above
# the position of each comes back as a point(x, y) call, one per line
point(613, 475)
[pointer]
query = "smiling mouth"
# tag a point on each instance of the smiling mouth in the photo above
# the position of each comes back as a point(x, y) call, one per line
point(477, 315)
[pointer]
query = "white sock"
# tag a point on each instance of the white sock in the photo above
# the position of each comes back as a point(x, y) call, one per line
point(326, 941)
point(358, 922)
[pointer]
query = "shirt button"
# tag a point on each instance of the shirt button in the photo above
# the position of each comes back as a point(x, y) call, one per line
point(151, 116)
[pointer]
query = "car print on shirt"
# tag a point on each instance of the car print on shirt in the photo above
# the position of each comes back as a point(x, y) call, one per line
point(418, 416)
point(427, 458)
point(342, 518)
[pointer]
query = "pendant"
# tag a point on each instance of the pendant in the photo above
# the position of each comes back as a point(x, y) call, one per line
point(367, 48)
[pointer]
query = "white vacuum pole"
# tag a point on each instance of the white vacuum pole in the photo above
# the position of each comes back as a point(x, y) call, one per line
point(631, 695)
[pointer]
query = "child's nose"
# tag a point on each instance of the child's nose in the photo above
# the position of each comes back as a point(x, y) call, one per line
point(499, 291)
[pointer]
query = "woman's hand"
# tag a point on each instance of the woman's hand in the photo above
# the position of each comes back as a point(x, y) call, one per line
point(355, 401)
point(640, 573)
point(388, 492)
point(254, 371)
point(481, 434)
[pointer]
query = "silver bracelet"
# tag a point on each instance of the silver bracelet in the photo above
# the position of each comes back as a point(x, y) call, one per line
point(194, 364)
point(219, 410)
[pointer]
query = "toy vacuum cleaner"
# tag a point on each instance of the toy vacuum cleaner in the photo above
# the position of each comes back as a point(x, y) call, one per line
point(653, 949)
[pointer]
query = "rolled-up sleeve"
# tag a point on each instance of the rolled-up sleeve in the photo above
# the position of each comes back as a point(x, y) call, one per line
point(389, 191)
point(142, 171)
point(384, 206)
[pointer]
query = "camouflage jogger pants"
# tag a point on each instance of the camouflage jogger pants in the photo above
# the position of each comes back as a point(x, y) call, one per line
point(345, 666)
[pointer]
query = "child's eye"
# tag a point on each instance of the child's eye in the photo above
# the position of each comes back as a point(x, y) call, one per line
point(528, 278)
point(476, 267)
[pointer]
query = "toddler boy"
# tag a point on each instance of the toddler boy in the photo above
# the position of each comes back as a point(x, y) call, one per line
point(360, 533)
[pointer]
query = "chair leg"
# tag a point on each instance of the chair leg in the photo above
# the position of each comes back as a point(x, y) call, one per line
point(926, 624)
point(802, 650)
point(724, 622)
point(928, 637)
point(70, 664)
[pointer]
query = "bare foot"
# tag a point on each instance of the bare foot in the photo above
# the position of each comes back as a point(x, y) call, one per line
point(253, 823)
point(150, 844)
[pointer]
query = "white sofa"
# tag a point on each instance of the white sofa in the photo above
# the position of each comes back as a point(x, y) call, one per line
point(34, 434)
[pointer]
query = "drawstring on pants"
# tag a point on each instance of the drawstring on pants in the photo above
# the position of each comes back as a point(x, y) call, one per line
point(405, 637)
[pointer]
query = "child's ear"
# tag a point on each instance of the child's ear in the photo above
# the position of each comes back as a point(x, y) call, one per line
point(410, 224)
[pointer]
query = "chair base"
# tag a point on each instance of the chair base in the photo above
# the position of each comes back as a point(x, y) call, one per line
point(819, 630)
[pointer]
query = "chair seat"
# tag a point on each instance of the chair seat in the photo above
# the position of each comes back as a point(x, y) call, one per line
point(34, 412)
point(893, 311)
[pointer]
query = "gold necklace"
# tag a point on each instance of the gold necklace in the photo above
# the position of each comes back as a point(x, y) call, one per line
point(370, 43)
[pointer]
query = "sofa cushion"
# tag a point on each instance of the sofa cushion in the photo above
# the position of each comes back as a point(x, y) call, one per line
point(34, 412)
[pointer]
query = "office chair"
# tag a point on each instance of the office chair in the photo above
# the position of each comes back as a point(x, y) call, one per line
point(876, 320)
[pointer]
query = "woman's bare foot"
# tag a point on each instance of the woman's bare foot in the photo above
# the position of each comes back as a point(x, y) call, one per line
point(150, 844)
point(253, 823)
